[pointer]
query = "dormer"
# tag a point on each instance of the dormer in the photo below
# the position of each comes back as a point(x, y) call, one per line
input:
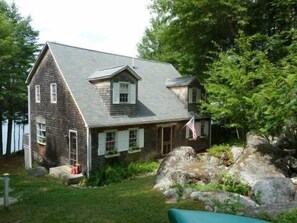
point(187, 89)
point(118, 89)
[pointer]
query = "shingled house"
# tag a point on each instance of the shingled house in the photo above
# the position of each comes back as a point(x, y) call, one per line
point(91, 107)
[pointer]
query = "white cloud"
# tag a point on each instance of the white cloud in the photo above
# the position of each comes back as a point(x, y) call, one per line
point(114, 26)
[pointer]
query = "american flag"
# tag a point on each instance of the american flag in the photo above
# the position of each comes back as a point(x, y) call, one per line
point(191, 125)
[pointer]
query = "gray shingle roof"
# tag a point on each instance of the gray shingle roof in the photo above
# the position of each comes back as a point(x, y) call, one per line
point(156, 103)
point(110, 72)
point(179, 81)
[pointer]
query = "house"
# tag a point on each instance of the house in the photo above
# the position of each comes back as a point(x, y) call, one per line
point(93, 108)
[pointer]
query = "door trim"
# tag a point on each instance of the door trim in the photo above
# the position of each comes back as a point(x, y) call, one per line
point(69, 145)
point(162, 137)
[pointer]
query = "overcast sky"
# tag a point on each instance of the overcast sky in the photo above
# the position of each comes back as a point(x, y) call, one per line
point(113, 26)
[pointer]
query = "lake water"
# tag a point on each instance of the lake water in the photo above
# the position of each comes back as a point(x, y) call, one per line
point(16, 138)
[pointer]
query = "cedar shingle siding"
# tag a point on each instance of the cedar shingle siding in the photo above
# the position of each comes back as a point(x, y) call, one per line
point(59, 117)
point(85, 82)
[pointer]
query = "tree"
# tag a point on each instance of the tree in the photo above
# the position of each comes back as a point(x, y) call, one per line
point(19, 47)
point(248, 92)
point(185, 32)
point(189, 33)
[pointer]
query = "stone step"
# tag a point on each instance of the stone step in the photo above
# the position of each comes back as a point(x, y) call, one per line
point(64, 173)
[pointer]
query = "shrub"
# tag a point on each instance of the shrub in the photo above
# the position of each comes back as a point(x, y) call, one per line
point(118, 172)
point(286, 217)
point(232, 205)
point(232, 184)
point(221, 150)
point(136, 169)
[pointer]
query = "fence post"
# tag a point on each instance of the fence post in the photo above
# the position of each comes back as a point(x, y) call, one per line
point(6, 190)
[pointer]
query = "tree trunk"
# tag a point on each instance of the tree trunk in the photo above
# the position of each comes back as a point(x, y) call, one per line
point(9, 131)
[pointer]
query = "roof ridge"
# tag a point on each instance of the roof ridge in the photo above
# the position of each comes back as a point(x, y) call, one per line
point(114, 54)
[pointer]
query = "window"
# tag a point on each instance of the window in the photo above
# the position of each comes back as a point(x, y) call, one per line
point(37, 93)
point(120, 141)
point(202, 128)
point(194, 95)
point(54, 93)
point(110, 141)
point(40, 127)
point(124, 92)
point(133, 138)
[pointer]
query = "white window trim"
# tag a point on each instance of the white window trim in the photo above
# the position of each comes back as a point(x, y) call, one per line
point(198, 95)
point(38, 136)
point(117, 91)
point(37, 93)
point(53, 87)
point(121, 141)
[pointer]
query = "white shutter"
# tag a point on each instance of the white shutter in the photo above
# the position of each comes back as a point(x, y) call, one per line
point(132, 93)
point(198, 128)
point(116, 93)
point(101, 144)
point(123, 140)
point(140, 138)
point(206, 127)
point(187, 132)
point(190, 95)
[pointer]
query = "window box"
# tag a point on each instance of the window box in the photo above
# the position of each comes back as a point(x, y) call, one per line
point(134, 150)
point(111, 154)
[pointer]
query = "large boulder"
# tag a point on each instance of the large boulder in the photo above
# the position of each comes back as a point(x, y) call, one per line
point(274, 190)
point(38, 171)
point(271, 209)
point(211, 200)
point(170, 170)
point(256, 164)
point(254, 140)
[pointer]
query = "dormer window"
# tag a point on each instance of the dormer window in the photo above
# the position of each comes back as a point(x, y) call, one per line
point(194, 95)
point(124, 93)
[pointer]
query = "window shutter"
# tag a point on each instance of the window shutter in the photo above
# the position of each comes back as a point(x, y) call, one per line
point(140, 138)
point(190, 95)
point(187, 132)
point(198, 128)
point(116, 93)
point(101, 144)
point(123, 141)
point(206, 127)
point(132, 93)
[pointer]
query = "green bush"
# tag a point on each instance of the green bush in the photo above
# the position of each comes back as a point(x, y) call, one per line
point(232, 205)
point(232, 184)
point(118, 172)
point(286, 217)
point(136, 169)
point(219, 150)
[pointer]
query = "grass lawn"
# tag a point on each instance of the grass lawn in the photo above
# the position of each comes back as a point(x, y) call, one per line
point(45, 199)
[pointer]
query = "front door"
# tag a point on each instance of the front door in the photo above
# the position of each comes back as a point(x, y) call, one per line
point(72, 147)
point(166, 140)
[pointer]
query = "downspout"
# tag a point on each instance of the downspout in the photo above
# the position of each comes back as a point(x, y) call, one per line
point(29, 123)
point(89, 152)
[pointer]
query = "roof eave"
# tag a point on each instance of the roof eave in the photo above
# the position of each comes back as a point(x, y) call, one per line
point(36, 64)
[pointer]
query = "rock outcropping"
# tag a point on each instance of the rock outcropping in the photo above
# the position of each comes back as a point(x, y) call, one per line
point(260, 165)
